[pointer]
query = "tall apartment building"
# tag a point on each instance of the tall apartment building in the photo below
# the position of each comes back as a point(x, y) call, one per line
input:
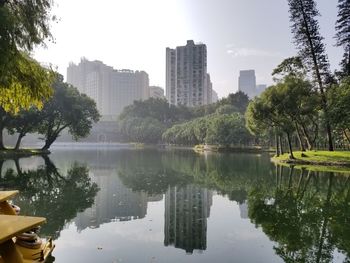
point(111, 89)
point(186, 75)
point(247, 82)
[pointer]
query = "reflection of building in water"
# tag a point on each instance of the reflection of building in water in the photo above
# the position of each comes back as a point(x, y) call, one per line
point(243, 209)
point(113, 202)
point(186, 212)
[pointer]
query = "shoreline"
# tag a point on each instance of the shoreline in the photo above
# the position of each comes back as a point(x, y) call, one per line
point(11, 153)
point(317, 160)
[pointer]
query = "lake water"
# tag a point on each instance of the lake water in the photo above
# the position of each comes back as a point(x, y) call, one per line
point(180, 206)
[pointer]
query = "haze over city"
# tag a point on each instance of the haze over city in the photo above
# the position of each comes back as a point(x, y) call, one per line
point(133, 34)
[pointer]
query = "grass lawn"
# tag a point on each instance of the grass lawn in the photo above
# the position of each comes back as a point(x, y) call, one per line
point(338, 161)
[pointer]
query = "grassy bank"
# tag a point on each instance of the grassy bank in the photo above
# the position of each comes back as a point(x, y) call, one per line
point(318, 160)
point(11, 153)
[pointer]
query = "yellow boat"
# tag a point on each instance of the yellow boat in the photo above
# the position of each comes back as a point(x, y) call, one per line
point(19, 243)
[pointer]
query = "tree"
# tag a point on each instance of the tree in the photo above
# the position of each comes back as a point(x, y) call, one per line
point(142, 130)
point(292, 66)
point(23, 25)
point(239, 100)
point(68, 109)
point(26, 121)
point(339, 98)
point(343, 35)
point(227, 129)
point(308, 40)
point(267, 112)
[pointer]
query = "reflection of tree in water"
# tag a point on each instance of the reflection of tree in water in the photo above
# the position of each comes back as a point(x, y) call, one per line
point(306, 213)
point(48, 193)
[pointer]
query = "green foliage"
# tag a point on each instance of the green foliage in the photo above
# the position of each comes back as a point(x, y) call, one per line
point(142, 130)
point(227, 130)
point(158, 109)
point(221, 129)
point(308, 39)
point(144, 120)
point(67, 109)
point(23, 25)
point(339, 101)
point(292, 66)
point(238, 100)
point(27, 85)
point(52, 194)
point(342, 36)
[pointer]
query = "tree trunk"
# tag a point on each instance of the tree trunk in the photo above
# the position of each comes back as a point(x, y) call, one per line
point(277, 146)
point(319, 78)
point(2, 146)
point(19, 139)
point(290, 146)
point(326, 217)
point(301, 144)
point(280, 143)
point(307, 137)
point(347, 136)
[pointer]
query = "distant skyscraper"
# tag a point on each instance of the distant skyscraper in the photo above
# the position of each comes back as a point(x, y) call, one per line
point(186, 75)
point(156, 92)
point(111, 89)
point(247, 82)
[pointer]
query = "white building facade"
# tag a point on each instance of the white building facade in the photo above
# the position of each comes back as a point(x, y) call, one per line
point(111, 89)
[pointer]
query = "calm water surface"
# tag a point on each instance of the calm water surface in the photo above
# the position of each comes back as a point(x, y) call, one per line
point(179, 206)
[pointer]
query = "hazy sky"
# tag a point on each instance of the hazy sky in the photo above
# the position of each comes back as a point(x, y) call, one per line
point(133, 34)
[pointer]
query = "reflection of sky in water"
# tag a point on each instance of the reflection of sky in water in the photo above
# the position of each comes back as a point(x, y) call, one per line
point(228, 237)
point(179, 219)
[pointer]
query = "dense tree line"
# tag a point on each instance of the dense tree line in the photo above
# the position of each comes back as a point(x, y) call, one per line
point(66, 109)
point(155, 121)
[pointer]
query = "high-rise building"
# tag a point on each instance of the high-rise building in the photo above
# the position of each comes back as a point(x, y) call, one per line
point(247, 82)
point(111, 89)
point(156, 92)
point(186, 75)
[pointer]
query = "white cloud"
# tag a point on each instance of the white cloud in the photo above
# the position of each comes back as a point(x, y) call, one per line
point(250, 52)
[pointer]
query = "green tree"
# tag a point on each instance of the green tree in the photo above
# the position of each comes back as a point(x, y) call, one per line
point(26, 121)
point(342, 36)
point(228, 129)
point(339, 98)
point(142, 130)
point(267, 112)
point(23, 25)
point(67, 109)
point(239, 100)
point(309, 41)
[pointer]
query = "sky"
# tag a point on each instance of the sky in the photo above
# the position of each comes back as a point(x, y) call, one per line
point(133, 34)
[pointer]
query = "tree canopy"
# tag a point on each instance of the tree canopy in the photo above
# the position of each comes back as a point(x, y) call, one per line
point(23, 81)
